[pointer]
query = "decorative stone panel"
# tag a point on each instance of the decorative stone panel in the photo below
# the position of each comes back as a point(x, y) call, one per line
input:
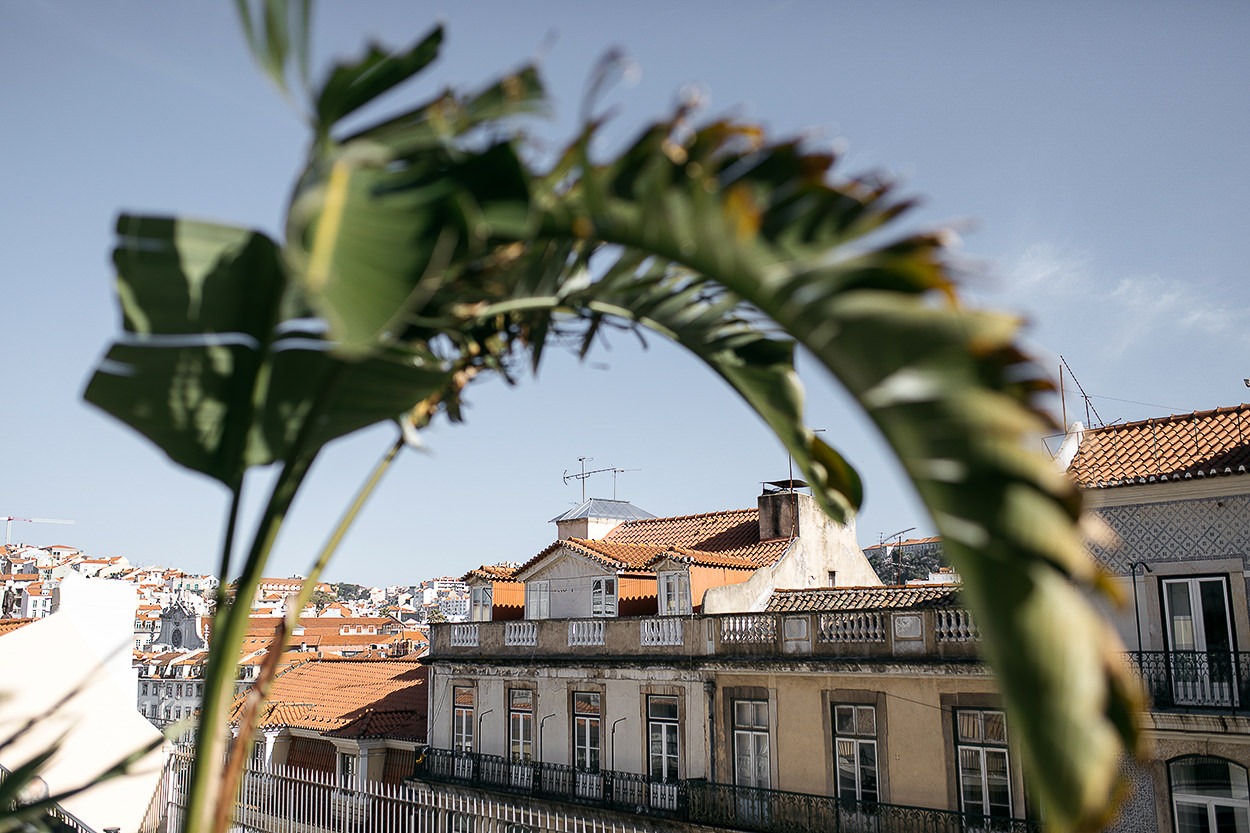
point(1179, 530)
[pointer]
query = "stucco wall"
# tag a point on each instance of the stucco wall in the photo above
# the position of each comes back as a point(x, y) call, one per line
point(822, 547)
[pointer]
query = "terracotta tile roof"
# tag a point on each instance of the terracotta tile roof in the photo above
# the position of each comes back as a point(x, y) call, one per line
point(718, 539)
point(711, 531)
point(864, 598)
point(766, 552)
point(491, 572)
point(10, 625)
point(349, 698)
point(1179, 447)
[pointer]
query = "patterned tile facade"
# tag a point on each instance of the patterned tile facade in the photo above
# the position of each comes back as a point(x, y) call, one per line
point(1181, 530)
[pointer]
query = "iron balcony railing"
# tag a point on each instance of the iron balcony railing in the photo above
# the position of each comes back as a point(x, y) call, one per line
point(700, 802)
point(1214, 680)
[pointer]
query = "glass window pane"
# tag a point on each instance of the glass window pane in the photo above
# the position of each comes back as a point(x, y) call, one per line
point(969, 723)
point(1181, 615)
point(995, 727)
point(521, 699)
point(844, 720)
point(866, 721)
point(1230, 819)
point(997, 783)
point(970, 783)
point(846, 769)
point(1191, 818)
point(662, 708)
point(1214, 615)
point(868, 770)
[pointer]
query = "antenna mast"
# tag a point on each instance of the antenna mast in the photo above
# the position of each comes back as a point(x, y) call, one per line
point(584, 475)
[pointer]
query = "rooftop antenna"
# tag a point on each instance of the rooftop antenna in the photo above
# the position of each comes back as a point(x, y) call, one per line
point(9, 519)
point(1088, 405)
point(583, 475)
point(615, 472)
point(891, 552)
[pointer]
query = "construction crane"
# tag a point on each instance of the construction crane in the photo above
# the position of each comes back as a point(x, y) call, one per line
point(9, 519)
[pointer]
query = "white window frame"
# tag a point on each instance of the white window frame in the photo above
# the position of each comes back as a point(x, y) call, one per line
point(603, 596)
point(675, 594)
point(981, 750)
point(1209, 804)
point(752, 740)
point(482, 600)
point(855, 744)
point(462, 719)
point(663, 738)
point(588, 732)
point(520, 726)
point(538, 599)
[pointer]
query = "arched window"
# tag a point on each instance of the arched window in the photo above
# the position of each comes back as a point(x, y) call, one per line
point(1209, 795)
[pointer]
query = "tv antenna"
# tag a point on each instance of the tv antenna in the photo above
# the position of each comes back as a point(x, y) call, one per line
point(892, 553)
point(584, 475)
point(9, 519)
point(1063, 363)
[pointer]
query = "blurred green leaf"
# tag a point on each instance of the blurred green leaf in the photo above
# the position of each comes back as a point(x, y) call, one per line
point(214, 376)
point(351, 86)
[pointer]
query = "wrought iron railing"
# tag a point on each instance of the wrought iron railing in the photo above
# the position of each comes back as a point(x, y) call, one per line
point(700, 802)
point(604, 788)
point(1218, 680)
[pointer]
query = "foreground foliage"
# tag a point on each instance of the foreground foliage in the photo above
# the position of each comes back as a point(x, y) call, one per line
point(427, 249)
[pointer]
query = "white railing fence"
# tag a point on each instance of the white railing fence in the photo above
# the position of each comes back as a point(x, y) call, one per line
point(660, 631)
point(521, 633)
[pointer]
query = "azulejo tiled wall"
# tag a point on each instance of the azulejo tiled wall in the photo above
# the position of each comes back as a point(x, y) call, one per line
point(1180, 530)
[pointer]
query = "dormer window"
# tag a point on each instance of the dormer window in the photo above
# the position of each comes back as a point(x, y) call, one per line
point(674, 594)
point(603, 597)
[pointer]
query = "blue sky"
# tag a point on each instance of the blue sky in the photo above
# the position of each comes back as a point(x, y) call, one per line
point(1091, 156)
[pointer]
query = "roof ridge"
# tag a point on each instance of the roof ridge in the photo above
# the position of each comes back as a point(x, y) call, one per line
point(691, 517)
point(1141, 423)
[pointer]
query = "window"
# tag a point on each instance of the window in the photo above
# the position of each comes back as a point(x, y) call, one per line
point(347, 771)
point(179, 689)
point(143, 688)
point(586, 742)
point(751, 757)
point(855, 750)
point(662, 737)
point(521, 724)
point(462, 719)
point(482, 601)
point(984, 771)
point(1209, 795)
point(1199, 631)
point(675, 594)
point(603, 597)
point(538, 600)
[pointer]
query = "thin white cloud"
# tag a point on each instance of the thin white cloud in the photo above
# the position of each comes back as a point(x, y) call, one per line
point(1063, 294)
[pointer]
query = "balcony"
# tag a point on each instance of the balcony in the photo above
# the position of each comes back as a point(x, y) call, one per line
point(1205, 681)
point(945, 633)
point(697, 801)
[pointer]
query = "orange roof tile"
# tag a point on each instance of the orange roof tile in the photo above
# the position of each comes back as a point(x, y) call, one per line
point(1179, 447)
point(864, 598)
point(731, 533)
point(493, 572)
point(351, 698)
point(10, 625)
